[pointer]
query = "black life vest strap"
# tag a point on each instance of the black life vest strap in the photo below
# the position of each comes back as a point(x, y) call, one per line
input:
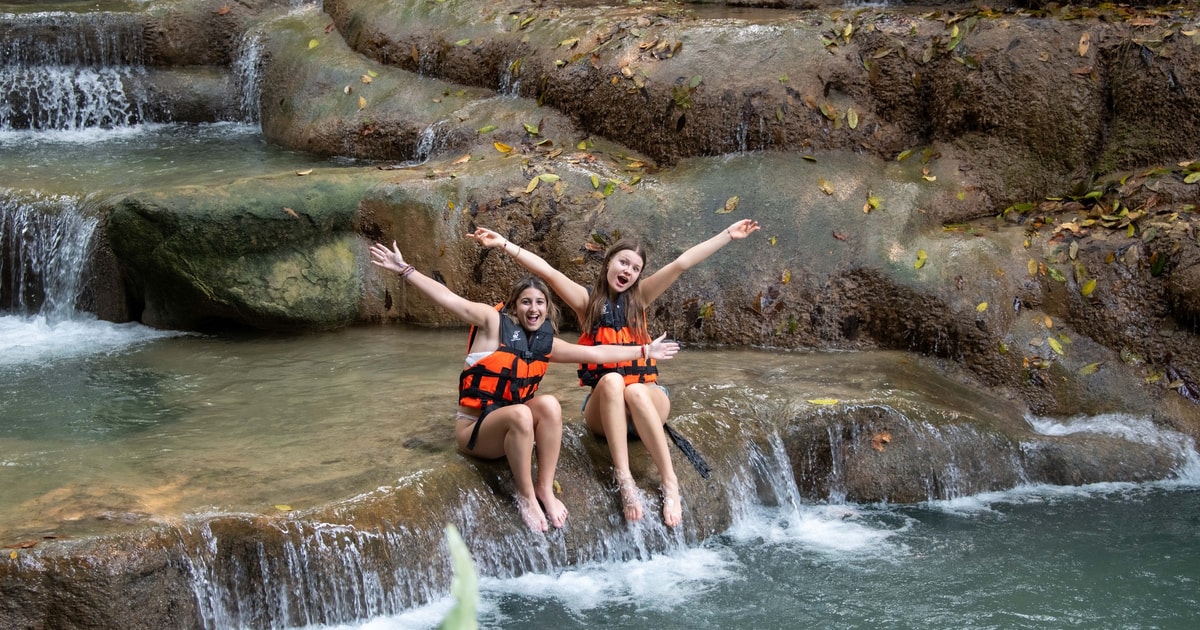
point(689, 451)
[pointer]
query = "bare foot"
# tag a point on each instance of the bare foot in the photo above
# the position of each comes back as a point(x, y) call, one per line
point(555, 511)
point(532, 514)
point(672, 508)
point(630, 497)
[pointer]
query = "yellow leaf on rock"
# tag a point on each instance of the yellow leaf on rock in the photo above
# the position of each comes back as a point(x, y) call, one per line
point(283, 508)
point(362, 102)
point(825, 186)
point(1033, 267)
point(982, 307)
point(852, 117)
point(307, 171)
point(1090, 368)
point(787, 276)
point(533, 183)
point(1088, 287)
point(731, 204)
point(921, 256)
point(312, 43)
point(1055, 345)
point(823, 401)
point(501, 147)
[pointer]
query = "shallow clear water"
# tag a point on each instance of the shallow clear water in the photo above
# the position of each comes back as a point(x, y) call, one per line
point(129, 158)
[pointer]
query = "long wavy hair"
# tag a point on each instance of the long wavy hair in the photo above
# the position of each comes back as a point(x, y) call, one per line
point(635, 307)
point(531, 282)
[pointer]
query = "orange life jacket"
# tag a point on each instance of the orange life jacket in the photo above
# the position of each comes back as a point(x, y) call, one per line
point(508, 376)
point(613, 329)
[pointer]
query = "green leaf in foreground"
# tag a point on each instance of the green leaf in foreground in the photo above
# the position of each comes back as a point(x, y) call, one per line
point(464, 586)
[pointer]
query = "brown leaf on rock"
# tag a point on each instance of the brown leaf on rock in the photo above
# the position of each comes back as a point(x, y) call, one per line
point(880, 439)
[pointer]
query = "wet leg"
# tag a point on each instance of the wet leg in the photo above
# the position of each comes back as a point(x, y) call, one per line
point(648, 408)
point(508, 432)
point(547, 442)
point(605, 415)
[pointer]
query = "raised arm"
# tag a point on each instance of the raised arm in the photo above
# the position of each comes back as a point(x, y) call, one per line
point(656, 283)
point(470, 312)
point(567, 352)
point(570, 292)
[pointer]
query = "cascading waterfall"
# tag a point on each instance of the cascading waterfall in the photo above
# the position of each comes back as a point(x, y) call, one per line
point(85, 76)
point(44, 245)
point(304, 573)
point(510, 79)
point(247, 72)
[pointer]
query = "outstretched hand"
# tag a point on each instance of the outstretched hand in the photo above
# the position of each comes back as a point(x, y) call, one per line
point(389, 259)
point(661, 350)
point(742, 229)
point(487, 238)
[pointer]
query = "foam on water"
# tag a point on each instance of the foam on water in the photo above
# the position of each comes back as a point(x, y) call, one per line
point(34, 340)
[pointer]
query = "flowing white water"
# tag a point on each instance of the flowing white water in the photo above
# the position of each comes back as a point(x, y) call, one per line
point(1035, 556)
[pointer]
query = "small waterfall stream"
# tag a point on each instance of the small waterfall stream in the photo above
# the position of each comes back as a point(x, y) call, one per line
point(88, 75)
point(44, 245)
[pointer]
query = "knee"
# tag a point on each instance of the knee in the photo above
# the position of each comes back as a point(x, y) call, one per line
point(610, 383)
point(637, 394)
point(521, 421)
point(545, 409)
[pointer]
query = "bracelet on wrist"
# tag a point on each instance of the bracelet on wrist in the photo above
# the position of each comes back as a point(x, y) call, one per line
point(407, 271)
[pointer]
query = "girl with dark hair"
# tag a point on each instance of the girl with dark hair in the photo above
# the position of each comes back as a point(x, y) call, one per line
point(626, 399)
point(509, 346)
